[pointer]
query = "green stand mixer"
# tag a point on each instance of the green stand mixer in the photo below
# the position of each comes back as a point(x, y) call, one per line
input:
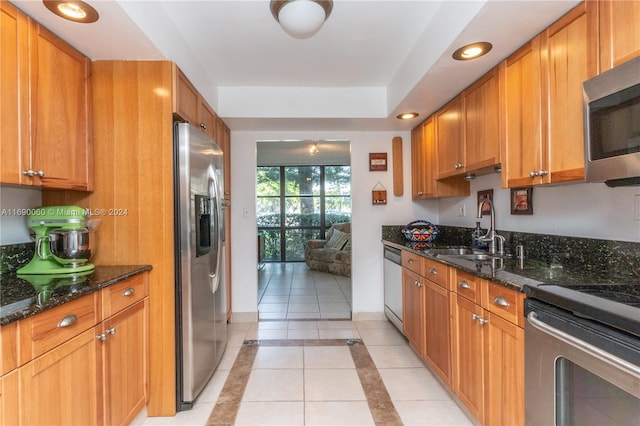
point(62, 236)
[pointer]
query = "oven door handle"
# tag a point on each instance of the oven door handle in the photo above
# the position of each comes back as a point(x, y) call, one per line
point(584, 346)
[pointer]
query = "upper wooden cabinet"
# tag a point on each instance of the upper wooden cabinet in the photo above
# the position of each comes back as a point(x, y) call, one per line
point(189, 104)
point(46, 112)
point(482, 138)
point(424, 167)
point(543, 103)
point(617, 27)
point(450, 138)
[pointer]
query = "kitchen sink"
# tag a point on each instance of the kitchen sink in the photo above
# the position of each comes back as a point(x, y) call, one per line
point(476, 256)
point(454, 251)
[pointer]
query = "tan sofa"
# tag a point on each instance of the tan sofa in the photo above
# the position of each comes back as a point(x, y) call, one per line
point(320, 256)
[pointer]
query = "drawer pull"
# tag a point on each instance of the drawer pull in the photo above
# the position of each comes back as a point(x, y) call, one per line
point(433, 271)
point(464, 284)
point(128, 292)
point(68, 321)
point(107, 332)
point(409, 261)
point(501, 301)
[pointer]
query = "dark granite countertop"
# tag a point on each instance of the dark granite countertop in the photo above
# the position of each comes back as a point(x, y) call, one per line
point(508, 272)
point(24, 296)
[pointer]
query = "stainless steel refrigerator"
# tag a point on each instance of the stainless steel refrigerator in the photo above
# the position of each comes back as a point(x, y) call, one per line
point(201, 325)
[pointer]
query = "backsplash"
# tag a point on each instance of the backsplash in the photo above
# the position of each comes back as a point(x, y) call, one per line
point(588, 254)
point(15, 256)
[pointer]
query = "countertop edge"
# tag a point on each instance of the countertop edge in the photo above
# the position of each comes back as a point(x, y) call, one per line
point(35, 309)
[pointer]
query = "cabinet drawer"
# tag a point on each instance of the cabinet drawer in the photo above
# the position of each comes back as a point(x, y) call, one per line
point(412, 261)
point(436, 272)
point(123, 294)
point(506, 303)
point(468, 286)
point(49, 329)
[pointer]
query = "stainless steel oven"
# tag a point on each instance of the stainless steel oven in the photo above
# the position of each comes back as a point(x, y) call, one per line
point(580, 370)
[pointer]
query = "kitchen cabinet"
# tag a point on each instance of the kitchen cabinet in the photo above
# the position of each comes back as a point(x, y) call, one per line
point(424, 167)
point(543, 103)
point(617, 28)
point(14, 102)
point(426, 311)
point(124, 338)
point(469, 331)
point(482, 137)
point(450, 138)
point(46, 114)
point(75, 368)
point(189, 104)
point(488, 350)
point(61, 386)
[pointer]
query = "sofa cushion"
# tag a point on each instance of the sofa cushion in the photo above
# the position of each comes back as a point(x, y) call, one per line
point(347, 246)
point(338, 239)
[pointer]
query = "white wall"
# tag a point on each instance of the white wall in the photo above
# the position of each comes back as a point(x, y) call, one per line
point(591, 210)
point(367, 219)
point(13, 224)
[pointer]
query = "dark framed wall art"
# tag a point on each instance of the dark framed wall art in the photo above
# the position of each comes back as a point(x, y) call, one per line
point(521, 201)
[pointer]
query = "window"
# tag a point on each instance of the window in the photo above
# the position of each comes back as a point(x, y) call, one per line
point(299, 203)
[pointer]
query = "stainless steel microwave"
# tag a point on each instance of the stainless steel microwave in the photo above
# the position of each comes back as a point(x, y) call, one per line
point(612, 125)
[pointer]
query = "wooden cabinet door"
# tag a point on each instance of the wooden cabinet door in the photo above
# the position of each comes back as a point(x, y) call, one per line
point(413, 309)
point(568, 64)
point(418, 166)
point(505, 373)
point(125, 352)
point(450, 138)
point(186, 100)
point(618, 30)
point(207, 119)
point(9, 399)
point(469, 355)
point(523, 118)
point(482, 123)
point(14, 102)
point(60, 112)
point(61, 386)
point(437, 321)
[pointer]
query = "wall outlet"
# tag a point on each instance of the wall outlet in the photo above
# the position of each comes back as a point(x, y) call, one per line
point(245, 212)
point(461, 210)
point(636, 208)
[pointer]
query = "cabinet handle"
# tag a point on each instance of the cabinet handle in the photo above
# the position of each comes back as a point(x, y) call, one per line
point(501, 301)
point(32, 173)
point(410, 261)
point(483, 321)
point(68, 321)
point(103, 336)
point(203, 126)
point(40, 173)
point(538, 173)
point(464, 284)
point(433, 271)
point(128, 292)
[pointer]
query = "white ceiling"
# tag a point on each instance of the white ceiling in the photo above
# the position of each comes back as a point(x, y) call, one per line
point(372, 60)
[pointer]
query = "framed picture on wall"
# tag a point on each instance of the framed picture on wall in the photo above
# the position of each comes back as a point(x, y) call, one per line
point(521, 201)
point(377, 161)
point(482, 195)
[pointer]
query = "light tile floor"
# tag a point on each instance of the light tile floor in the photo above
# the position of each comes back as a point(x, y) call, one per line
point(318, 385)
point(293, 291)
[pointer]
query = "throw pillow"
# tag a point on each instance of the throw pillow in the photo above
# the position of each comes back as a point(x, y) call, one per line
point(347, 247)
point(338, 240)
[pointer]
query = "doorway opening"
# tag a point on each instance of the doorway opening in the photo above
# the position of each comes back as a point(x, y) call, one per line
point(300, 194)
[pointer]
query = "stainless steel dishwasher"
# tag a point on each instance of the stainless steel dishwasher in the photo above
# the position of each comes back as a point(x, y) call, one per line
point(393, 285)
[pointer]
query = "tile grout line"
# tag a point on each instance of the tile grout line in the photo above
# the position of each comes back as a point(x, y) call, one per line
point(379, 402)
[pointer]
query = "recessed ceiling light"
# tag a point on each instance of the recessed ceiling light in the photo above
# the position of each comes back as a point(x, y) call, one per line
point(76, 11)
point(407, 115)
point(472, 51)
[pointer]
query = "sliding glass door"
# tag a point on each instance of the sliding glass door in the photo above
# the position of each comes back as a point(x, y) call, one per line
point(299, 203)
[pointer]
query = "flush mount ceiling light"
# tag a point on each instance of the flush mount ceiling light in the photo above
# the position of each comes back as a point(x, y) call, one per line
point(407, 115)
point(76, 11)
point(472, 51)
point(301, 18)
point(313, 148)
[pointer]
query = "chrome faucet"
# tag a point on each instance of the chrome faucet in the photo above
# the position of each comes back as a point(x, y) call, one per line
point(491, 237)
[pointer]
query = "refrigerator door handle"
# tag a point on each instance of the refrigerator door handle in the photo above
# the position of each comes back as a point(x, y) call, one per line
point(214, 275)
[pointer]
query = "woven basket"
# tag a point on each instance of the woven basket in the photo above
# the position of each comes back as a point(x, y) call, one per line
point(420, 231)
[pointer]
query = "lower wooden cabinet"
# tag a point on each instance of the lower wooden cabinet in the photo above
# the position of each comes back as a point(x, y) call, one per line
point(437, 347)
point(505, 373)
point(469, 332)
point(124, 359)
point(60, 387)
point(91, 372)
point(413, 309)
